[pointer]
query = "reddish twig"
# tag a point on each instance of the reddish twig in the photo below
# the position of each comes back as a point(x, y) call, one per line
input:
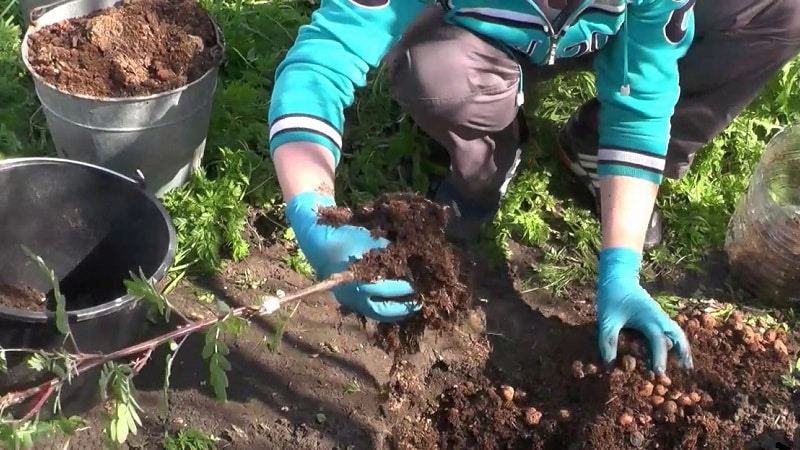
point(145, 349)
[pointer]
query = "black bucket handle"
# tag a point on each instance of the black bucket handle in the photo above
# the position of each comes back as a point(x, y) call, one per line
point(140, 179)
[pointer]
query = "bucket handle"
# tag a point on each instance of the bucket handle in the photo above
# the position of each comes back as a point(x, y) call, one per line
point(140, 180)
point(37, 12)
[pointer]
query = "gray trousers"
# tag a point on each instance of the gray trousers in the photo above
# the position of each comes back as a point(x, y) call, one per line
point(461, 89)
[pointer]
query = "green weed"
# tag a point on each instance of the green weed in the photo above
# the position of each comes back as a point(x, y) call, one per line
point(189, 439)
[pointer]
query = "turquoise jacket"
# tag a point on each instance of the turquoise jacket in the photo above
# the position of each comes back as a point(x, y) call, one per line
point(638, 45)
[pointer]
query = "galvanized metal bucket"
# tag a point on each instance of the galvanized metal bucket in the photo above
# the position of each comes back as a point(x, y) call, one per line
point(26, 6)
point(161, 137)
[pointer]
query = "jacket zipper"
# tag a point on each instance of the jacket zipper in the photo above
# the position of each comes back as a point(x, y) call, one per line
point(556, 35)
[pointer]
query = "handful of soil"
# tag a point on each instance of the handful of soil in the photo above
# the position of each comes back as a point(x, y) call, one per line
point(418, 253)
point(140, 47)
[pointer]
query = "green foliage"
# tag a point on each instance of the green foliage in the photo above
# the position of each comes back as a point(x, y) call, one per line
point(23, 435)
point(189, 439)
point(209, 213)
point(141, 287)
point(121, 407)
point(62, 324)
point(216, 350)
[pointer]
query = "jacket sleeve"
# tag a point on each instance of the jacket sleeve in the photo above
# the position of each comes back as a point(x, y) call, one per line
point(330, 58)
point(642, 59)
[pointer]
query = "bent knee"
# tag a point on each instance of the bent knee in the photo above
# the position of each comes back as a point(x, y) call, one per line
point(789, 27)
point(448, 67)
point(780, 22)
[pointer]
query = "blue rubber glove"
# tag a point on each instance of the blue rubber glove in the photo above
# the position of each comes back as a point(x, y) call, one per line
point(623, 303)
point(330, 250)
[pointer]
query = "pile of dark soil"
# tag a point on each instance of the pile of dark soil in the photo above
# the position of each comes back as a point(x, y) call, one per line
point(732, 400)
point(22, 297)
point(418, 253)
point(140, 47)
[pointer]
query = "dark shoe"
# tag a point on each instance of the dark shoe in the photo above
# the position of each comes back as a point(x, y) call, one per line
point(472, 215)
point(577, 149)
point(468, 218)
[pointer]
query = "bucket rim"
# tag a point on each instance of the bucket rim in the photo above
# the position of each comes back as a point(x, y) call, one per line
point(103, 309)
point(219, 49)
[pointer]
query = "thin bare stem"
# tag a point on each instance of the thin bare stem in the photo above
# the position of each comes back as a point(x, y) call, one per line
point(87, 362)
point(331, 282)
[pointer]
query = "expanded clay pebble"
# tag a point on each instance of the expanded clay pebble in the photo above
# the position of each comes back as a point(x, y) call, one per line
point(590, 369)
point(532, 416)
point(660, 390)
point(656, 400)
point(706, 400)
point(646, 389)
point(708, 321)
point(685, 401)
point(748, 336)
point(674, 394)
point(780, 347)
point(628, 363)
point(625, 419)
point(577, 369)
point(507, 392)
point(670, 407)
point(736, 321)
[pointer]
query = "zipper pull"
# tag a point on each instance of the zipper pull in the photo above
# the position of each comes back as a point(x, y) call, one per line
point(551, 53)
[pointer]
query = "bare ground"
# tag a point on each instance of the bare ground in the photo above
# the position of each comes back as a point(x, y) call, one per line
point(325, 387)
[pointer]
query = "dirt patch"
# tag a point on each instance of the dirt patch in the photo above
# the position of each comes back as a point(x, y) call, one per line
point(419, 253)
point(317, 386)
point(139, 47)
point(730, 401)
point(22, 297)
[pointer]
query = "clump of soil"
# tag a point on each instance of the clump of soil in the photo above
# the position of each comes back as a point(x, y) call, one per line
point(139, 47)
point(22, 297)
point(419, 253)
point(732, 399)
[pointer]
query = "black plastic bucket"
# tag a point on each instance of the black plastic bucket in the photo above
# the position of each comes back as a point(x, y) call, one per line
point(92, 227)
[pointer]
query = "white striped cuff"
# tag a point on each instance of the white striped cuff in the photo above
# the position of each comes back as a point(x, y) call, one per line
point(632, 158)
point(308, 123)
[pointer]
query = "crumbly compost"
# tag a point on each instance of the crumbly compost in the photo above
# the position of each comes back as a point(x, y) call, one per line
point(419, 253)
point(733, 400)
point(139, 47)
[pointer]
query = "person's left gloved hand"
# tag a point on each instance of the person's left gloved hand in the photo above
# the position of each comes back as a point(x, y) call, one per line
point(623, 303)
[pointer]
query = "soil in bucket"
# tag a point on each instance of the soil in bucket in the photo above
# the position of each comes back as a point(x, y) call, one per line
point(562, 398)
point(139, 47)
point(419, 253)
point(22, 297)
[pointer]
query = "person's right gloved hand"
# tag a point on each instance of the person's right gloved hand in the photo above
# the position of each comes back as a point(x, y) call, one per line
point(623, 303)
point(330, 250)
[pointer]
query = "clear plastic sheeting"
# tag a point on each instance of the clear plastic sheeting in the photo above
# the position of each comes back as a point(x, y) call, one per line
point(763, 239)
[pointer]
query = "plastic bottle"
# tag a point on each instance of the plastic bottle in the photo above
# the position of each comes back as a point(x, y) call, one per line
point(763, 238)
